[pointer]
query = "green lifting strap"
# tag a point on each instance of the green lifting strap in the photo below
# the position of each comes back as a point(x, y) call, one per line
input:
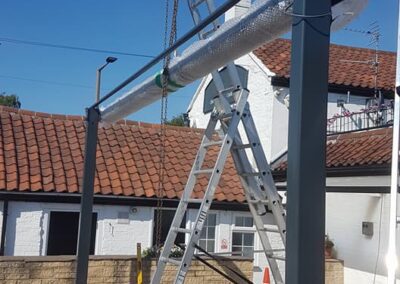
point(172, 85)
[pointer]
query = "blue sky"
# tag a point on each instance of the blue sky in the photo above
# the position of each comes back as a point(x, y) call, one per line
point(62, 81)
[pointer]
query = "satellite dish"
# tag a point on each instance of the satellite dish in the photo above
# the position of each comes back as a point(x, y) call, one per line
point(211, 91)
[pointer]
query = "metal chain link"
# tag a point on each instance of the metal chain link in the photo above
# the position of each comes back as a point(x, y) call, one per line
point(163, 118)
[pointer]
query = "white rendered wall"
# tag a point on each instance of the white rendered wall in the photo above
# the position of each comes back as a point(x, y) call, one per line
point(27, 230)
point(120, 239)
point(260, 99)
point(238, 10)
point(345, 213)
point(270, 113)
point(28, 222)
point(267, 104)
point(280, 118)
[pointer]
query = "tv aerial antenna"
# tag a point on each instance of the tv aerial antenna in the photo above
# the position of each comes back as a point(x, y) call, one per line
point(374, 35)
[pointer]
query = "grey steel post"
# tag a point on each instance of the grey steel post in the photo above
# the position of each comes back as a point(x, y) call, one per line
point(98, 79)
point(307, 142)
point(109, 60)
point(85, 217)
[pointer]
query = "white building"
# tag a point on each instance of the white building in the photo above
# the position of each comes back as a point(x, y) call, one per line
point(356, 188)
point(41, 165)
point(41, 162)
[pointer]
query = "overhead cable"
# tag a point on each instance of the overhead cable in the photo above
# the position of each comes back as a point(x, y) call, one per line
point(52, 45)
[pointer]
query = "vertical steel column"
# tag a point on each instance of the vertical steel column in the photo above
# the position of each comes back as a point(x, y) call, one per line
point(85, 217)
point(306, 145)
point(4, 227)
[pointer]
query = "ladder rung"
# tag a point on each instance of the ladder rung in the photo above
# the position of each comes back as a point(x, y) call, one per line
point(212, 143)
point(270, 230)
point(271, 251)
point(228, 90)
point(203, 172)
point(193, 200)
point(170, 260)
point(265, 202)
point(197, 3)
point(277, 257)
point(225, 116)
point(207, 33)
point(243, 146)
point(183, 230)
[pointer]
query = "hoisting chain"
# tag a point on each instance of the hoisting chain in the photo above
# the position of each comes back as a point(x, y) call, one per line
point(163, 118)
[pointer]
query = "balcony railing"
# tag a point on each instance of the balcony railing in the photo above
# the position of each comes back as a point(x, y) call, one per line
point(375, 116)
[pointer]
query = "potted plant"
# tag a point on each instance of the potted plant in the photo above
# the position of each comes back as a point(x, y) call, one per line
point(152, 252)
point(328, 247)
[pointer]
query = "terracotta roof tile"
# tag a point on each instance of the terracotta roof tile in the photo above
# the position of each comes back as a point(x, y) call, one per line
point(343, 66)
point(44, 152)
point(371, 147)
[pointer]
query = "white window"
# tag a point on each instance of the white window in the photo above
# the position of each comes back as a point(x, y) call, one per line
point(207, 237)
point(243, 236)
point(244, 221)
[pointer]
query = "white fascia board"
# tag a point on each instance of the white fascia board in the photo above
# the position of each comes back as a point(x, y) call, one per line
point(354, 181)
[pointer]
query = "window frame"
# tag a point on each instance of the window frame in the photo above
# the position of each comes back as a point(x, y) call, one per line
point(215, 233)
point(243, 229)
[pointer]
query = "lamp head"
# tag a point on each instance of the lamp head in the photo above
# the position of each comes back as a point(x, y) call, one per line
point(111, 59)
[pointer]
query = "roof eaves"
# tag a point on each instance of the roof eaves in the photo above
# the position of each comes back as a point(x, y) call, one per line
point(112, 200)
point(283, 81)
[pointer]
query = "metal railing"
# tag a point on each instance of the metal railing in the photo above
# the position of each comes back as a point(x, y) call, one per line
point(375, 116)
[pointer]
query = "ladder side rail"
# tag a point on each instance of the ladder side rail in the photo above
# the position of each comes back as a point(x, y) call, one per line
point(195, 15)
point(181, 209)
point(211, 9)
point(273, 197)
point(272, 262)
point(211, 187)
point(219, 85)
point(233, 73)
point(250, 184)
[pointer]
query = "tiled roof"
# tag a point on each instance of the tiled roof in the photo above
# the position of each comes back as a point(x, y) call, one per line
point(345, 65)
point(355, 149)
point(40, 152)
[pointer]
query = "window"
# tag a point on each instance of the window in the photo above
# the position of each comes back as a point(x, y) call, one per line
point(243, 236)
point(243, 242)
point(243, 221)
point(207, 237)
point(63, 233)
point(167, 218)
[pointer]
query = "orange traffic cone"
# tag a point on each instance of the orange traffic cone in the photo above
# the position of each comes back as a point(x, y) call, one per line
point(266, 279)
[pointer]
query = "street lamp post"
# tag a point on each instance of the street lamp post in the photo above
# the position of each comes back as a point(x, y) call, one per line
point(98, 75)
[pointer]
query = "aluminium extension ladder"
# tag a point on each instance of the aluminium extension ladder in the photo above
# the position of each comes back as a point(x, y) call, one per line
point(258, 185)
point(230, 109)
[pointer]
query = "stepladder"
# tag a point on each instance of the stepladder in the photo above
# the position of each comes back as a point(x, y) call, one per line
point(231, 110)
point(238, 138)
